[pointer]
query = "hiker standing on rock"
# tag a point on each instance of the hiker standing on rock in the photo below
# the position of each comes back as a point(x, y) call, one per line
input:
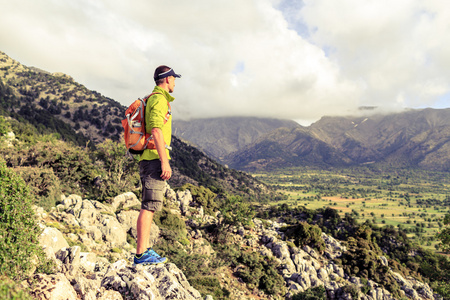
point(154, 167)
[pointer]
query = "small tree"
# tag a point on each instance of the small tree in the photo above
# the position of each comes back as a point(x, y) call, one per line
point(237, 212)
point(444, 235)
point(18, 230)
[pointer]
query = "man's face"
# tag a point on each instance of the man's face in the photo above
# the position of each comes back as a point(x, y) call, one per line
point(171, 83)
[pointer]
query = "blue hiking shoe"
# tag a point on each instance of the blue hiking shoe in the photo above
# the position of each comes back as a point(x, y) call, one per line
point(149, 257)
point(152, 252)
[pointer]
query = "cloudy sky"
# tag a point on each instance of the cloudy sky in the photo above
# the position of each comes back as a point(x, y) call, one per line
point(272, 58)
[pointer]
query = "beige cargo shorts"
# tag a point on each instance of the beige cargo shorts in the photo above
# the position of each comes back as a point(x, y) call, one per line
point(152, 184)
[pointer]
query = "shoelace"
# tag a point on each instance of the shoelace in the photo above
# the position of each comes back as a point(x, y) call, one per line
point(153, 253)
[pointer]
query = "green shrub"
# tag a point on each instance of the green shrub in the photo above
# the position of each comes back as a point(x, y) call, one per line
point(11, 291)
point(209, 285)
point(259, 272)
point(131, 240)
point(444, 235)
point(19, 232)
point(172, 227)
point(254, 269)
point(236, 212)
point(71, 164)
point(43, 184)
point(70, 169)
point(315, 293)
point(442, 288)
point(204, 196)
point(362, 259)
point(306, 234)
point(117, 172)
point(352, 290)
point(4, 126)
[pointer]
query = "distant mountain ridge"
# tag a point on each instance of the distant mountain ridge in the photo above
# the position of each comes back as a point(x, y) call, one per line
point(220, 136)
point(416, 138)
point(413, 138)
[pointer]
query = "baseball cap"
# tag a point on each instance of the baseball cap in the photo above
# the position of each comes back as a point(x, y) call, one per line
point(171, 72)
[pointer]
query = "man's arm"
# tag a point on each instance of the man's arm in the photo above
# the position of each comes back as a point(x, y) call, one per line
point(161, 149)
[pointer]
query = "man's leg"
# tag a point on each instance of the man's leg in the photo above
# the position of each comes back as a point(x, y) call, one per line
point(144, 224)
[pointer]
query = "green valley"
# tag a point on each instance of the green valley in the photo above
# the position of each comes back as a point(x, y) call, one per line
point(413, 201)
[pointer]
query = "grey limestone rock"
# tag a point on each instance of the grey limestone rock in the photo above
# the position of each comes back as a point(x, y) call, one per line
point(156, 282)
point(125, 200)
point(51, 287)
point(52, 237)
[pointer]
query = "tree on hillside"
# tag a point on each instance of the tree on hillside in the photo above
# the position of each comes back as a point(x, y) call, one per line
point(20, 252)
point(444, 235)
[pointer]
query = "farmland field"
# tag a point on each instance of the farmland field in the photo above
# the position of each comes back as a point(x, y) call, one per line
point(411, 200)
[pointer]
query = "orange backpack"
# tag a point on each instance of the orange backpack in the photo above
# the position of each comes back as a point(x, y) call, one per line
point(136, 139)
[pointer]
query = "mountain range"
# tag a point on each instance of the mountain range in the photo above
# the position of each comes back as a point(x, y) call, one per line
point(414, 138)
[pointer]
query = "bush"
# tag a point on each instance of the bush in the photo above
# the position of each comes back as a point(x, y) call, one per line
point(173, 228)
point(352, 290)
point(43, 184)
point(316, 293)
point(57, 167)
point(4, 126)
point(236, 212)
point(305, 234)
point(444, 235)
point(118, 173)
point(19, 232)
point(362, 259)
point(442, 288)
point(9, 290)
point(204, 196)
point(71, 164)
point(254, 269)
point(208, 285)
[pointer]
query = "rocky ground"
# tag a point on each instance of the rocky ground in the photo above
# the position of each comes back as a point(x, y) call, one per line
point(90, 243)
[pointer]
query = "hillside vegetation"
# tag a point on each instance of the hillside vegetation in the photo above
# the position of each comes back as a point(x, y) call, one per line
point(57, 102)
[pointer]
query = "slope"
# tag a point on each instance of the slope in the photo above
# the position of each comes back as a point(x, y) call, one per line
point(219, 137)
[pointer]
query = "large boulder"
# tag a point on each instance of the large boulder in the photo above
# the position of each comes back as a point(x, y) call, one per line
point(125, 200)
point(128, 220)
point(157, 282)
point(51, 287)
point(112, 230)
point(53, 238)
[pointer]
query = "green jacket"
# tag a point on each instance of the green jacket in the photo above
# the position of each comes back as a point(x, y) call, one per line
point(155, 112)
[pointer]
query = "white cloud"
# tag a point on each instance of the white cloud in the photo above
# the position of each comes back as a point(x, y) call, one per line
point(395, 48)
point(287, 59)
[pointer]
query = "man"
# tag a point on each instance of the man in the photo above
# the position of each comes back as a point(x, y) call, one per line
point(154, 167)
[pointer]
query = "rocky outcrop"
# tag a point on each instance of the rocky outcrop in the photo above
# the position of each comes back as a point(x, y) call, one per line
point(157, 282)
point(85, 271)
point(98, 264)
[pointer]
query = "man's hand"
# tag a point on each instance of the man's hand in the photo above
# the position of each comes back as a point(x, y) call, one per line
point(166, 170)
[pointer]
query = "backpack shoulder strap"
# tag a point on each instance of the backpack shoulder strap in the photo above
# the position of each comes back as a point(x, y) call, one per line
point(169, 112)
